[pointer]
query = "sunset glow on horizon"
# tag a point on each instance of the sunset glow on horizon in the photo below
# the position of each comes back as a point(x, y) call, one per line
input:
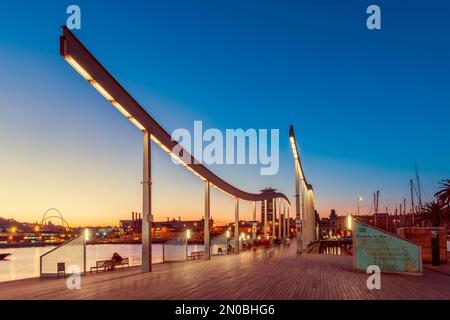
point(362, 115)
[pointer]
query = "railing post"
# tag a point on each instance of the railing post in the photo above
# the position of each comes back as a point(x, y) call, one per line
point(147, 206)
point(206, 233)
point(236, 226)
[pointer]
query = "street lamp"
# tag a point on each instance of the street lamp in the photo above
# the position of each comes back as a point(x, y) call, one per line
point(188, 236)
point(358, 200)
point(86, 234)
point(228, 235)
point(349, 222)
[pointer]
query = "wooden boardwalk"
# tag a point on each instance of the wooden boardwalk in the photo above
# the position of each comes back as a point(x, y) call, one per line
point(279, 274)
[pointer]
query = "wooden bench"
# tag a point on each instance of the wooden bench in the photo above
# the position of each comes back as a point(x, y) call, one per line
point(197, 255)
point(103, 264)
point(123, 263)
point(110, 264)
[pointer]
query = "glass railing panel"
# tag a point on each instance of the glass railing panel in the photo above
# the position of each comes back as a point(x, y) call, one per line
point(71, 256)
point(175, 249)
point(219, 244)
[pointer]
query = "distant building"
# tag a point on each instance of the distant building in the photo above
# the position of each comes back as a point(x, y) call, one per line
point(328, 226)
point(333, 219)
point(128, 227)
point(174, 228)
point(132, 229)
point(269, 192)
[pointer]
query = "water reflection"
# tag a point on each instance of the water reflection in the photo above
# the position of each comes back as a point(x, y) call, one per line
point(24, 262)
point(335, 250)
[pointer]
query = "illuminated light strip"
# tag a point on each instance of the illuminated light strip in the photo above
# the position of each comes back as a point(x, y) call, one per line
point(102, 91)
point(216, 187)
point(121, 109)
point(161, 145)
point(137, 124)
point(297, 158)
point(79, 68)
point(184, 164)
point(294, 148)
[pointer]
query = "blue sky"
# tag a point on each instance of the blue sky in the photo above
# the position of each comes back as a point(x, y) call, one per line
point(365, 104)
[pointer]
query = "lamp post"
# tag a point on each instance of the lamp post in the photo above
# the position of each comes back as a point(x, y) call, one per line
point(86, 235)
point(358, 200)
point(228, 234)
point(188, 236)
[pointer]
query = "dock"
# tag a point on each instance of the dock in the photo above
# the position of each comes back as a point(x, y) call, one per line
point(276, 274)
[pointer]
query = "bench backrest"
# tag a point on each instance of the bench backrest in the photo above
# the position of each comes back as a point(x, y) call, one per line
point(103, 263)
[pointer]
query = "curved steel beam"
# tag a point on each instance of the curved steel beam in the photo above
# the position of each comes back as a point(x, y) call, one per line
point(297, 156)
point(76, 54)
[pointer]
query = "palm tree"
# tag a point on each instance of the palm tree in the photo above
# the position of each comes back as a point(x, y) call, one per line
point(433, 211)
point(443, 195)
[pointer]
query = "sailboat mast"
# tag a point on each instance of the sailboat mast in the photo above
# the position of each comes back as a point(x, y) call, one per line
point(418, 187)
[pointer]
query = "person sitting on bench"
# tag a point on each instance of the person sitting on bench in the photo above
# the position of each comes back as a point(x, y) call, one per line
point(117, 259)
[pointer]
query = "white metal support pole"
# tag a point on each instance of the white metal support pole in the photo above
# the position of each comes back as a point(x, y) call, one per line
point(303, 213)
point(298, 221)
point(274, 211)
point(265, 219)
point(236, 226)
point(206, 233)
point(279, 219)
point(284, 221)
point(254, 221)
point(147, 217)
point(287, 224)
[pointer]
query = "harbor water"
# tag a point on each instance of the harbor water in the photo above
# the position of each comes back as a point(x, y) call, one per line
point(24, 262)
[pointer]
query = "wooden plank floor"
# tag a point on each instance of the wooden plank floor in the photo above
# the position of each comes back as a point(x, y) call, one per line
point(278, 274)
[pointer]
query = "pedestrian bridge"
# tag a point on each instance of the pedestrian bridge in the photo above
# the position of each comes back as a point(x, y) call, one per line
point(81, 59)
point(272, 274)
